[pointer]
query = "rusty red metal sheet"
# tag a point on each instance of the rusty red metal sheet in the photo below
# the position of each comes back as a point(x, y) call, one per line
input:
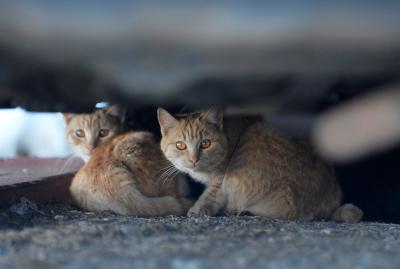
point(39, 179)
point(17, 171)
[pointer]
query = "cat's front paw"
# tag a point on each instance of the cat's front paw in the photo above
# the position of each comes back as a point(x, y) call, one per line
point(197, 211)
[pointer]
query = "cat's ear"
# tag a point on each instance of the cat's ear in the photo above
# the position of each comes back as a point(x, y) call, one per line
point(166, 121)
point(68, 117)
point(116, 111)
point(214, 116)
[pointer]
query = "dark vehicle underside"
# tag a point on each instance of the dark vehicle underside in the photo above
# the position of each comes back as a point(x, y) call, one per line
point(315, 70)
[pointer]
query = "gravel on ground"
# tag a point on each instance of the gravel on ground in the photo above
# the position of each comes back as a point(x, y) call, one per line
point(60, 236)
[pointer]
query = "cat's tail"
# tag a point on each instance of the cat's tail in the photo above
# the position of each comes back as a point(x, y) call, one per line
point(347, 213)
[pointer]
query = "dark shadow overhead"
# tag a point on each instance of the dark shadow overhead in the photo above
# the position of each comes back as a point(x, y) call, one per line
point(298, 57)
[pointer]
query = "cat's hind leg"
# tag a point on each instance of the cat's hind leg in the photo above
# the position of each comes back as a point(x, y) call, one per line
point(281, 205)
point(272, 211)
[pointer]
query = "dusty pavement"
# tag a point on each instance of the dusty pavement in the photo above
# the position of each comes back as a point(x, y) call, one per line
point(37, 236)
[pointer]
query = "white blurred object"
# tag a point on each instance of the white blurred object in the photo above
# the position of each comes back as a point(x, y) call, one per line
point(32, 134)
point(361, 127)
point(101, 105)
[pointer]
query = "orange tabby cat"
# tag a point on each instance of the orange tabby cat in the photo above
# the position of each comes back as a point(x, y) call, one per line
point(85, 132)
point(251, 168)
point(129, 175)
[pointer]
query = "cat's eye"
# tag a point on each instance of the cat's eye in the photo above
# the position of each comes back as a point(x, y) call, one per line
point(104, 132)
point(80, 133)
point(180, 145)
point(206, 143)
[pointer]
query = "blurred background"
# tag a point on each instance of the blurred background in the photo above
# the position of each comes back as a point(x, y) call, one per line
point(324, 71)
point(32, 134)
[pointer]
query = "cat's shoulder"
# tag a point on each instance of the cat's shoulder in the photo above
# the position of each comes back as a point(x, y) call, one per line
point(136, 137)
point(134, 142)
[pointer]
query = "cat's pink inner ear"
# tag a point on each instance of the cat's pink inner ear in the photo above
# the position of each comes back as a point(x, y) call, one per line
point(214, 116)
point(166, 121)
point(68, 117)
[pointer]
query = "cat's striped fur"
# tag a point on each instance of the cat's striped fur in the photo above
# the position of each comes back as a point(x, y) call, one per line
point(250, 167)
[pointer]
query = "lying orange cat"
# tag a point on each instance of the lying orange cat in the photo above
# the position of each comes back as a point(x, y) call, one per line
point(128, 174)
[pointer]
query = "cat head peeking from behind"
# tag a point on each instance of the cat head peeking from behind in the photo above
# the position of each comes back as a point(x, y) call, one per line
point(194, 143)
point(85, 132)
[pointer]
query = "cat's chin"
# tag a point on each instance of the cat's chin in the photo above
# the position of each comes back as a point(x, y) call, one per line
point(195, 169)
point(188, 170)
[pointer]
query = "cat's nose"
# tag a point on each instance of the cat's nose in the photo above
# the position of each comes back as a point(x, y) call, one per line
point(90, 148)
point(193, 159)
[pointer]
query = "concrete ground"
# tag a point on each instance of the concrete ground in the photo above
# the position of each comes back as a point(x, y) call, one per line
point(57, 236)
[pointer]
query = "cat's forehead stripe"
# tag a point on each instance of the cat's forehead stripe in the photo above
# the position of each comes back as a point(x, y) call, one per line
point(192, 129)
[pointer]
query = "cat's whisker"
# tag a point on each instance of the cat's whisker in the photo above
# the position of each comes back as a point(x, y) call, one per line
point(67, 162)
point(166, 167)
point(165, 177)
point(166, 170)
point(168, 174)
point(170, 177)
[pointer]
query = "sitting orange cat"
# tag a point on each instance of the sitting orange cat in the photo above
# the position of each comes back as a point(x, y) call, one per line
point(250, 167)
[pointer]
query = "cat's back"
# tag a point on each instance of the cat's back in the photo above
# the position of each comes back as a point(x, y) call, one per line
point(113, 169)
point(272, 167)
point(260, 137)
point(263, 148)
point(123, 148)
point(136, 154)
point(134, 144)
